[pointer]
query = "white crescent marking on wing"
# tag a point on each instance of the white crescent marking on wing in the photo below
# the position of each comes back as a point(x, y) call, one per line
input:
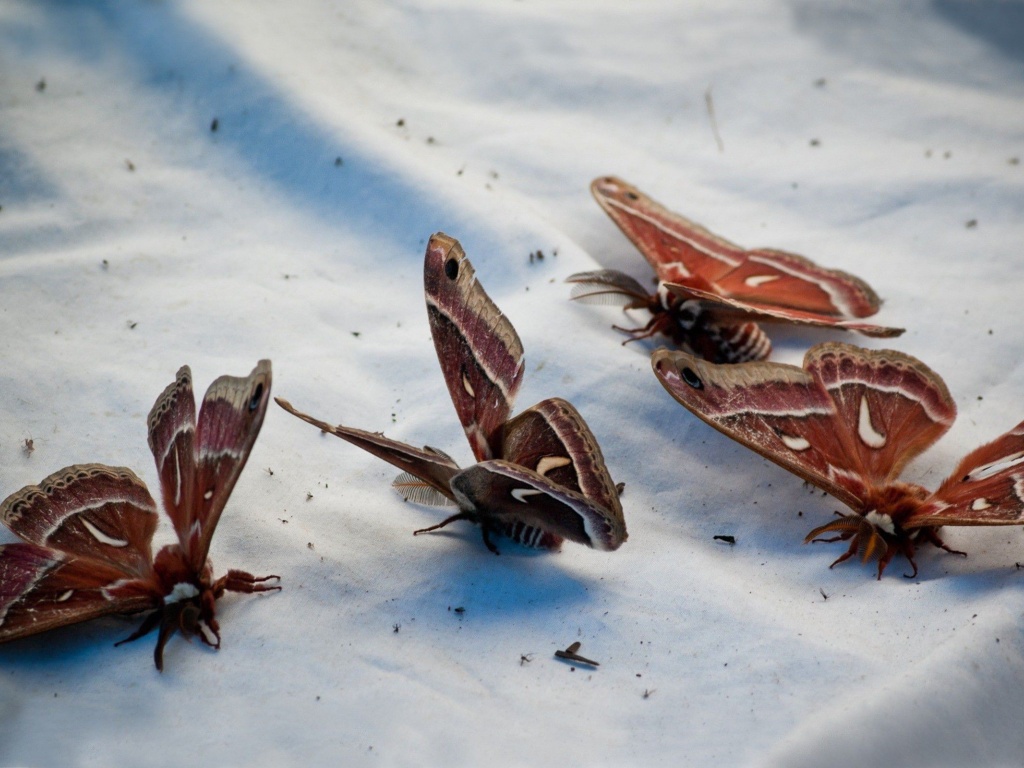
point(979, 504)
point(177, 478)
point(794, 442)
point(520, 494)
point(467, 386)
point(997, 466)
point(756, 281)
point(870, 436)
point(101, 537)
point(548, 463)
point(65, 596)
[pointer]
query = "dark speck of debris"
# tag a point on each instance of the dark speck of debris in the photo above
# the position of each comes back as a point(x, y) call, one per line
point(494, 174)
point(815, 142)
point(396, 627)
point(400, 122)
point(309, 545)
point(129, 164)
point(338, 162)
point(270, 472)
point(28, 446)
point(131, 325)
point(41, 85)
point(726, 538)
point(283, 521)
point(821, 82)
point(620, 488)
point(430, 139)
point(309, 496)
point(356, 334)
point(214, 125)
point(823, 593)
point(460, 610)
point(1013, 161)
point(569, 654)
point(648, 692)
point(525, 658)
point(971, 223)
point(105, 264)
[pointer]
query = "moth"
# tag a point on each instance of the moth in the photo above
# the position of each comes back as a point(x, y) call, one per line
point(712, 293)
point(848, 421)
point(88, 528)
point(540, 478)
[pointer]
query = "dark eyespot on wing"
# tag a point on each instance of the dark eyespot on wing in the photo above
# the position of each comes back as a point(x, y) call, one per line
point(691, 378)
point(257, 395)
point(451, 269)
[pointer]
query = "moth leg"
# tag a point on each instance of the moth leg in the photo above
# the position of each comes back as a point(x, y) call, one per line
point(457, 516)
point(148, 625)
point(931, 535)
point(242, 581)
point(486, 533)
point(846, 555)
point(170, 622)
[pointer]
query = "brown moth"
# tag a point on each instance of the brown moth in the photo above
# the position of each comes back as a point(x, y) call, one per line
point(88, 528)
point(712, 292)
point(848, 421)
point(540, 477)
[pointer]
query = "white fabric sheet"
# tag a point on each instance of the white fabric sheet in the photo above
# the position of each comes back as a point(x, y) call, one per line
point(133, 239)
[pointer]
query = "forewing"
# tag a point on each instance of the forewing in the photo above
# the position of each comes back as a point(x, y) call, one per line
point(676, 247)
point(429, 465)
point(736, 309)
point(172, 435)
point(478, 349)
point(505, 494)
point(986, 488)
point(43, 588)
point(778, 410)
point(786, 280)
point(893, 405)
point(229, 422)
point(92, 511)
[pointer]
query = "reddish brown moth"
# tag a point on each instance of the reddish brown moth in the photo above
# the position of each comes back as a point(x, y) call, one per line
point(848, 421)
point(540, 477)
point(88, 528)
point(712, 293)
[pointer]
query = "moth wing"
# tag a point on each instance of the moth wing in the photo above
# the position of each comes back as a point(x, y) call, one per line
point(777, 278)
point(479, 351)
point(43, 588)
point(986, 488)
point(553, 440)
point(172, 437)
point(676, 247)
point(892, 405)
point(229, 422)
point(725, 307)
point(780, 411)
point(430, 465)
point(507, 494)
point(104, 514)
